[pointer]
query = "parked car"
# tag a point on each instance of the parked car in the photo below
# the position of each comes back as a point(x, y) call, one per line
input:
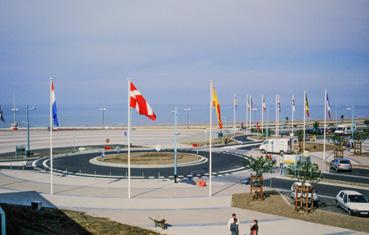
point(353, 202)
point(341, 164)
point(293, 192)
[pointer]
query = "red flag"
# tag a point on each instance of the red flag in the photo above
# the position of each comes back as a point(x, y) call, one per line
point(138, 101)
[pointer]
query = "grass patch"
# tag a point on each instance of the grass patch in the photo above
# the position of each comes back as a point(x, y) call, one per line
point(150, 158)
point(276, 205)
point(24, 220)
point(218, 141)
point(318, 147)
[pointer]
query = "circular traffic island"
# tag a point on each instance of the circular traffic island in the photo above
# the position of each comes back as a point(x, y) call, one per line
point(145, 164)
point(150, 158)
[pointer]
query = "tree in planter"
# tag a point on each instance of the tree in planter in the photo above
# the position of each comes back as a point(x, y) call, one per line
point(316, 127)
point(300, 135)
point(305, 171)
point(366, 122)
point(260, 166)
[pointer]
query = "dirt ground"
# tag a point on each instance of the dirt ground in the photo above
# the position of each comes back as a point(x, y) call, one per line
point(275, 204)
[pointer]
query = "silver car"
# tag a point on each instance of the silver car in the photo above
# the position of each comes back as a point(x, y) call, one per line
point(341, 164)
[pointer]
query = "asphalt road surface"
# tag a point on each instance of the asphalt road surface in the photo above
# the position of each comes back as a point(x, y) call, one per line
point(326, 193)
point(80, 164)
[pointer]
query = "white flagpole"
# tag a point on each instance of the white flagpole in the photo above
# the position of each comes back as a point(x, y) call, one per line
point(262, 115)
point(325, 123)
point(276, 116)
point(51, 140)
point(293, 111)
point(234, 113)
point(247, 112)
point(129, 140)
point(304, 122)
point(210, 133)
point(250, 113)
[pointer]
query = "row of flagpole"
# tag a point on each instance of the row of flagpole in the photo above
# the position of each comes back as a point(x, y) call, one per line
point(136, 100)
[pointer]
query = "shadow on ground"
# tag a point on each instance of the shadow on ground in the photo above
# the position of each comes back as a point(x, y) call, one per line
point(22, 219)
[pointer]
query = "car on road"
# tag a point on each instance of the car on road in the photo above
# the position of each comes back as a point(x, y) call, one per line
point(341, 164)
point(297, 184)
point(353, 202)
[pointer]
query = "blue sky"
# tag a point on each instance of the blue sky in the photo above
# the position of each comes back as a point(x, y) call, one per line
point(171, 49)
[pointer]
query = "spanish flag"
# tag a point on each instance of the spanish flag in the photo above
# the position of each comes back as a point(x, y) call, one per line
point(217, 107)
point(307, 108)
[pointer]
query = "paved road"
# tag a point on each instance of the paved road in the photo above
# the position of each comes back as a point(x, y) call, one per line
point(322, 189)
point(347, 177)
point(222, 161)
point(355, 171)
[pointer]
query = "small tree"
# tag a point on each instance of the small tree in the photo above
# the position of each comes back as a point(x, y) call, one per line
point(300, 135)
point(260, 165)
point(307, 171)
point(316, 127)
point(366, 122)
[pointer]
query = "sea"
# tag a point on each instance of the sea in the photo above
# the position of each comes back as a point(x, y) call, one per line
point(90, 115)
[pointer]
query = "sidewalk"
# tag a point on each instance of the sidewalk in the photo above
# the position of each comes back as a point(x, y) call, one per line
point(187, 208)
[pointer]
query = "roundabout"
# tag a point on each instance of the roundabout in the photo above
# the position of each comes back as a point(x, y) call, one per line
point(90, 164)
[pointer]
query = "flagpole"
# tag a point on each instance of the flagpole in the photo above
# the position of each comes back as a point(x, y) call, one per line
point(303, 148)
point(210, 135)
point(51, 139)
point(250, 113)
point(293, 100)
point(325, 123)
point(247, 112)
point(234, 113)
point(262, 115)
point(129, 140)
point(276, 116)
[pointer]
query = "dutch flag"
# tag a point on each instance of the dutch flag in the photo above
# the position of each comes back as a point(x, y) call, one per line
point(53, 104)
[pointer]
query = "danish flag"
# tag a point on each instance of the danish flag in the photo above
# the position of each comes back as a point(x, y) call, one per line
point(138, 101)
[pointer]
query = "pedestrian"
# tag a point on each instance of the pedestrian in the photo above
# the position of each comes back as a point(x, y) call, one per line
point(234, 227)
point(231, 220)
point(254, 228)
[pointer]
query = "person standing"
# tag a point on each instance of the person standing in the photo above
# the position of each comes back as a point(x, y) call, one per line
point(234, 227)
point(254, 229)
point(231, 220)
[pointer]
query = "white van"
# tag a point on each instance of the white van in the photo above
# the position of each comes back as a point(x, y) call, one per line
point(345, 129)
point(280, 145)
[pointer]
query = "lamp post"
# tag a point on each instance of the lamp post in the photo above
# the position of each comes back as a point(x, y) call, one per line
point(103, 116)
point(28, 151)
point(14, 125)
point(175, 144)
point(188, 109)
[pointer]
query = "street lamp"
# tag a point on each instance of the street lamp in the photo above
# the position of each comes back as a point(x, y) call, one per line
point(28, 151)
point(188, 109)
point(352, 120)
point(14, 125)
point(103, 116)
point(175, 144)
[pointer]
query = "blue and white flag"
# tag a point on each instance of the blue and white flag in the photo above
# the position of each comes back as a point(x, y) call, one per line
point(293, 104)
point(2, 115)
point(328, 107)
point(278, 100)
point(53, 103)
